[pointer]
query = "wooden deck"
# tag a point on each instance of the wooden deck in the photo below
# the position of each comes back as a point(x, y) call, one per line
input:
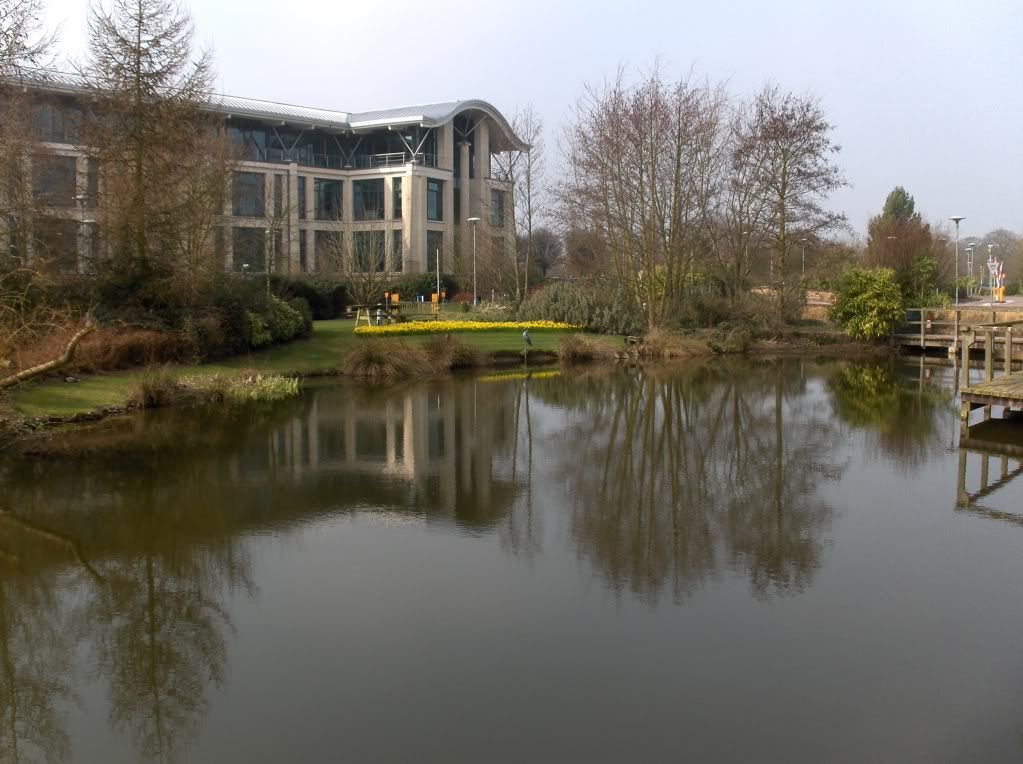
point(1004, 391)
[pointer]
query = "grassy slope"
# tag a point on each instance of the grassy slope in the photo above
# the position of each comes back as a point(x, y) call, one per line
point(323, 352)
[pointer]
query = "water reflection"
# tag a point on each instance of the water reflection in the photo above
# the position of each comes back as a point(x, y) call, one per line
point(902, 414)
point(144, 519)
point(989, 460)
point(689, 473)
point(438, 449)
point(35, 652)
point(128, 551)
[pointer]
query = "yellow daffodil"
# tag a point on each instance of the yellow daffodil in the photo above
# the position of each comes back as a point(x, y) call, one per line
point(444, 327)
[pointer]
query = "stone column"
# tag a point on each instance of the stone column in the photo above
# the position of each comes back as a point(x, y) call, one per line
point(292, 245)
point(415, 221)
point(82, 191)
point(228, 232)
point(446, 147)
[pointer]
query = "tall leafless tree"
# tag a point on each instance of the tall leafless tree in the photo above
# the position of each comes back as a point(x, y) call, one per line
point(643, 171)
point(24, 39)
point(147, 128)
point(360, 258)
point(786, 144)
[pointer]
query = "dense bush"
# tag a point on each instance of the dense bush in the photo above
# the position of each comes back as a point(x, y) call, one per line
point(302, 306)
point(868, 303)
point(412, 285)
point(327, 298)
point(284, 322)
point(733, 337)
point(257, 332)
point(596, 307)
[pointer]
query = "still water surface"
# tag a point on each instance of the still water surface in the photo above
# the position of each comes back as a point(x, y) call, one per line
point(784, 561)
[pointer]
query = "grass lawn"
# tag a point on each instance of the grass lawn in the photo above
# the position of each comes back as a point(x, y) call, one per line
point(324, 351)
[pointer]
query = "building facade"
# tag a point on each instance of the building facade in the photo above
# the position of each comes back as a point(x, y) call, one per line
point(400, 185)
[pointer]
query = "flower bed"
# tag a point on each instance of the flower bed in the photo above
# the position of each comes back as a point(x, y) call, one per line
point(445, 327)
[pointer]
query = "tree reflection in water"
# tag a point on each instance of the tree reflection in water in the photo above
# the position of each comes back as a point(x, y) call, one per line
point(35, 659)
point(149, 574)
point(901, 418)
point(685, 474)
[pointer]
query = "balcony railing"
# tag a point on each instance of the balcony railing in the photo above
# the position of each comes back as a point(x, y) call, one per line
point(333, 161)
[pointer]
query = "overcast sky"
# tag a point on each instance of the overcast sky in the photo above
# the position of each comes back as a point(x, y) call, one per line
point(926, 94)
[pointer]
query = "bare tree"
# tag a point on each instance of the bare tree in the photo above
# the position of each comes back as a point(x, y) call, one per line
point(148, 86)
point(203, 191)
point(24, 40)
point(548, 250)
point(360, 258)
point(786, 143)
point(525, 170)
point(643, 176)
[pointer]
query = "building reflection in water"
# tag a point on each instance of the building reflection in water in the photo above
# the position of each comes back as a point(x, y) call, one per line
point(137, 539)
point(445, 449)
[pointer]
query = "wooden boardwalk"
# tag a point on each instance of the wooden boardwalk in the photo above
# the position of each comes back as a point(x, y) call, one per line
point(1004, 391)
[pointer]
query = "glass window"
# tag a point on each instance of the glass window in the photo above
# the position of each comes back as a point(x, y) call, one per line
point(301, 197)
point(434, 244)
point(250, 138)
point(326, 199)
point(325, 247)
point(279, 195)
point(248, 249)
point(368, 199)
point(55, 243)
point(369, 251)
point(496, 208)
point(302, 262)
point(458, 203)
point(434, 199)
point(249, 195)
point(396, 198)
point(91, 182)
point(397, 245)
point(53, 180)
point(56, 122)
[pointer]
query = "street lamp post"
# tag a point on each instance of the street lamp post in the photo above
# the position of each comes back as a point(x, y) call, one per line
point(991, 271)
point(970, 250)
point(475, 298)
point(957, 219)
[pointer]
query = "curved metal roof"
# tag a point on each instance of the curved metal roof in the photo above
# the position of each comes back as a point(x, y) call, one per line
point(427, 115)
point(253, 107)
point(434, 115)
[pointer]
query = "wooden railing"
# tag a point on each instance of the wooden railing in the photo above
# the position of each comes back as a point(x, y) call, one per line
point(992, 333)
point(930, 323)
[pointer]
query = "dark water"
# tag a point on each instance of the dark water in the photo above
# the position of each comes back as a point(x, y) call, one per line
point(729, 562)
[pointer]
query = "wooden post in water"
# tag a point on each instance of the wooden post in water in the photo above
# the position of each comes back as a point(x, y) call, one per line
point(967, 341)
point(1008, 350)
point(923, 327)
point(989, 355)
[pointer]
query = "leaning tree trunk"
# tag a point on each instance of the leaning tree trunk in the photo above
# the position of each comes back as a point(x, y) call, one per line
point(56, 363)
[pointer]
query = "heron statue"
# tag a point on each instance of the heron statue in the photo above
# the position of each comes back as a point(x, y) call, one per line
point(525, 338)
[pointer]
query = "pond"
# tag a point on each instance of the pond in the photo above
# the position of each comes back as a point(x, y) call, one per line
point(724, 561)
